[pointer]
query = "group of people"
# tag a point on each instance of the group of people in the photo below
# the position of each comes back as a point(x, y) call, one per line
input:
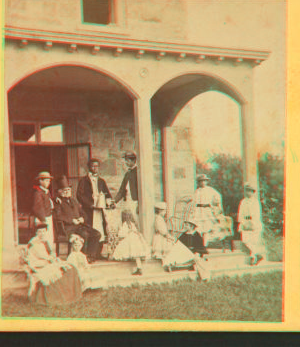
point(86, 226)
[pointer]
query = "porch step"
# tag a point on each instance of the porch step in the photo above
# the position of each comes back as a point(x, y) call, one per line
point(146, 278)
point(217, 259)
point(208, 272)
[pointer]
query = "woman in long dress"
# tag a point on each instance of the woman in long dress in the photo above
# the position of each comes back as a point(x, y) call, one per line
point(52, 281)
point(162, 239)
point(132, 244)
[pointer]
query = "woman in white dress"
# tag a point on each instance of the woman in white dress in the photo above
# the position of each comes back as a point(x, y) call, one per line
point(207, 206)
point(250, 224)
point(162, 239)
point(132, 244)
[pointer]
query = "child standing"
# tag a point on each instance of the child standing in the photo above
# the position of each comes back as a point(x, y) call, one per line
point(132, 244)
point(162, 239)
point(79, 260)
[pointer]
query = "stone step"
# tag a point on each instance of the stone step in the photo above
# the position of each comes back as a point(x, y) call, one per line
point(146, 278)
point(206, 272)
point(216, 258)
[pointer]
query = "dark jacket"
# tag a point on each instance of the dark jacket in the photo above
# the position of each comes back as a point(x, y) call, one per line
point(85, 195)
point(131, 177)
point(41, 207)
point(66, 210)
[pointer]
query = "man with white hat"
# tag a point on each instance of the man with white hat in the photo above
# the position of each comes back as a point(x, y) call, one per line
point(207, 203)
point(250, 224)
point(129, 187)
point(43, 205)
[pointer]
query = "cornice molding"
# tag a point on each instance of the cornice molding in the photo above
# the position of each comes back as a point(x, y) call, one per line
point(140, 47)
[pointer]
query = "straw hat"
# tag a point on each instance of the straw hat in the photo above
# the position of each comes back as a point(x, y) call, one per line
point(161, 205)
point(43, 175)
point(249, 186)
point(191, 221)
point(129, 155)
point(203, 177)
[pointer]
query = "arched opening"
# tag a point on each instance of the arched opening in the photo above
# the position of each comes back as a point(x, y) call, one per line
point(59, 117)
point(193, 116)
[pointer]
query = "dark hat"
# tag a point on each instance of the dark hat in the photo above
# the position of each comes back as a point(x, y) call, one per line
point(62, 182)
point(129, 155)
point(43, 175)
point(41, 226)
point(202, 177)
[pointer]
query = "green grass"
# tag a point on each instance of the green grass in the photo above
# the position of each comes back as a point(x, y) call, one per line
point(247, 298)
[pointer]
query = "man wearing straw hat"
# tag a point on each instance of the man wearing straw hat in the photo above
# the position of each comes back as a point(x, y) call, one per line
point(69, 211)
point(43, 205)
point(250, 224)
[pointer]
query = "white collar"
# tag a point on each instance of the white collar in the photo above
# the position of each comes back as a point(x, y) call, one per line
point(44, 189)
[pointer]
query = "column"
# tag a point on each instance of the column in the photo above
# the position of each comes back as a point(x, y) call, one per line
point(248, 145)
point(10, 257)
point(143, 135)
point(167, 169)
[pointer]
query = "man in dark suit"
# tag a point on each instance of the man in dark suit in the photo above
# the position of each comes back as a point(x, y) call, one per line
point(129, 187)
point(91, 189)
point(69, 211)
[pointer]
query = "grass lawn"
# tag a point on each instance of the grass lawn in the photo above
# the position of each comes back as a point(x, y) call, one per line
point(247, 298)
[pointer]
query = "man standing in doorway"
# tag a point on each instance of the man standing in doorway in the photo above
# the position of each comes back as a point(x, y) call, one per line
point(94, 195)
point(129, 187)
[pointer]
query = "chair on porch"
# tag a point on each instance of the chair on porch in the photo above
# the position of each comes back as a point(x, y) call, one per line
point(182, 212)
point(60, 235)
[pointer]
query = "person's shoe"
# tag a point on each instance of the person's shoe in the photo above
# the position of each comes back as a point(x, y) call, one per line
point(137, 272)
point(257, 259)
point(91, 260)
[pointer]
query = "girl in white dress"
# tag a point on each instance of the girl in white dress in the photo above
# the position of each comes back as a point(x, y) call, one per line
point(250, 224)
point(132, 244)
point(162, 239)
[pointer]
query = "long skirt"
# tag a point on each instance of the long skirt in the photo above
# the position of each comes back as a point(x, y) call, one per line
point(178, 256)
point(160, 246)
point(65, 290)
point(253, 240)
point(131, 247)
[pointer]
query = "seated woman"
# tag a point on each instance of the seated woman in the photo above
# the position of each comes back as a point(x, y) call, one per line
point(132, 244)
point(52, 281)
point(192, 239)
point(162, 239)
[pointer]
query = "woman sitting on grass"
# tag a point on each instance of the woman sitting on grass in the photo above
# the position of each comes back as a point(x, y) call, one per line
point(132, 244)
point(162, 239)
point(52, 281)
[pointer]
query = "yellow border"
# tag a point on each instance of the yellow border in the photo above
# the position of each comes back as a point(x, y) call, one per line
point(292, 250)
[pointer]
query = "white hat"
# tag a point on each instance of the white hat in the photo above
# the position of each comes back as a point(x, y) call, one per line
point(43, 175)
point(161, 205)
point(249, 186)
point(76, 238)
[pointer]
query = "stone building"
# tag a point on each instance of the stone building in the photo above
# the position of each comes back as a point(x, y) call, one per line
point(97, 77)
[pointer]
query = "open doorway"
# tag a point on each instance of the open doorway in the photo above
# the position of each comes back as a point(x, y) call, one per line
point(29, 161)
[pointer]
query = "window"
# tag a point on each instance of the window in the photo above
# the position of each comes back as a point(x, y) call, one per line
point(23, 132)
point(97, 11)
point(37, 133)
